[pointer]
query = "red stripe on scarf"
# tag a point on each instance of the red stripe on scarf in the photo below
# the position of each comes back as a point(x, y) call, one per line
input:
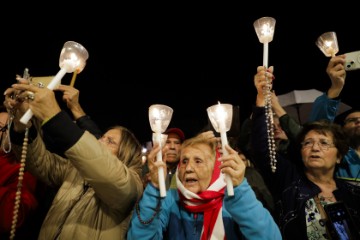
point(210, 202)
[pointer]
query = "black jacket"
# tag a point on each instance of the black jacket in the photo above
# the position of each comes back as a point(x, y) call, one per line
point(290, 187)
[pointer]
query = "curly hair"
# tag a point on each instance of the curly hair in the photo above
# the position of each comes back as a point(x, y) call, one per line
point(326, 127)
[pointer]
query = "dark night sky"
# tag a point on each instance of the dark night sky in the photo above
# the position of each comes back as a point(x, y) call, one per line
point(187, 57)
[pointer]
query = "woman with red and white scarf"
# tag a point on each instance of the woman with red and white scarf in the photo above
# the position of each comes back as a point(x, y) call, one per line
point(200, 208)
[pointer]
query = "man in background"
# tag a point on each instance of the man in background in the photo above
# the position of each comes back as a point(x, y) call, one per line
point(175, 137)
point(174, 140)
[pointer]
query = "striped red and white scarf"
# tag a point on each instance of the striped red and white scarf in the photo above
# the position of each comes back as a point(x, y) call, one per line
point(208, 202)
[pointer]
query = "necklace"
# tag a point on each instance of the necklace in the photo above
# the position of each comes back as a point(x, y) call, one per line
point(269, 116)
point(326, 198)
point(19, 185)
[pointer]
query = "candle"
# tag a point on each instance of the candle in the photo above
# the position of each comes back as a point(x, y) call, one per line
point(161, 175)
point(221, 117)
point(73, 57)
point(157, 125)
point(328, 48)
point(266, 33)
point(54, 82)
point(159, 116)
point(265, 54)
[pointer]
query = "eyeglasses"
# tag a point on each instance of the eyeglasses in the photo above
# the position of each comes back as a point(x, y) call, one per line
point(322, 144)
point(108, 141)
point(352, 120)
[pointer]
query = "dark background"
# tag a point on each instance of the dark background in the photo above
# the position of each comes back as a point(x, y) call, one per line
point(186, 56)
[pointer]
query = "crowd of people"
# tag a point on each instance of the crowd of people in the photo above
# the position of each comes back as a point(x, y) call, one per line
point(62, 177)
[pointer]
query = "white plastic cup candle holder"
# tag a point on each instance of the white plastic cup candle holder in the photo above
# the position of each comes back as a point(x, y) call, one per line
point(72, 58)
point(220, 116)
point(159, 118)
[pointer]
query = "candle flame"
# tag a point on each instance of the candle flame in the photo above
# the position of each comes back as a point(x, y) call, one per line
point(328, 43)
point(156, 113)
point(266, 30)
point(220, 113)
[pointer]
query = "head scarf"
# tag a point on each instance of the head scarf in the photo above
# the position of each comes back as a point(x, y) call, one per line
point(208, 202)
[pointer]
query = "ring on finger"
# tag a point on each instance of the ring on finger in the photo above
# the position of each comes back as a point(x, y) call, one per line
point(30, 95)
point(40, 85)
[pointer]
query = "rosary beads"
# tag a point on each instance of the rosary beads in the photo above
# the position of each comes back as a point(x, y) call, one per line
point(270, 124)
point(19, 185)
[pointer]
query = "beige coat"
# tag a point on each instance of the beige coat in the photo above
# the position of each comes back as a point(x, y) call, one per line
point(102, 211)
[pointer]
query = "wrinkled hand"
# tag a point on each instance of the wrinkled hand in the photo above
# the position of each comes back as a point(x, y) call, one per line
point(70, 95)
point(208, 135)
point(233, 165)
point(154, 165)
point(337, 73)
point(261, 83)
point(16, 103)
point(44, 104)
point(276, 106)
point(71, 98)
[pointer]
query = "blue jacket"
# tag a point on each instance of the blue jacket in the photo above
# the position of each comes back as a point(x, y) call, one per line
point(326, 108)
point(289, 185)
point(243, 216)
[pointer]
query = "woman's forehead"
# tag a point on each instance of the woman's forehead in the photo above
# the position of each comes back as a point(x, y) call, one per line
point(203, 149)
point(113, 132)
point(316, 133)
point(198, 146)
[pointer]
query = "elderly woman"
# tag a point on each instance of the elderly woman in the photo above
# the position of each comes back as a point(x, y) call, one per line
point(199, 208)
point(302, 186)
point(99, 179)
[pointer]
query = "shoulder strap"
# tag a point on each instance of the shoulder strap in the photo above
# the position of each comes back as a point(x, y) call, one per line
point(320, 208)
point(323, 216)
